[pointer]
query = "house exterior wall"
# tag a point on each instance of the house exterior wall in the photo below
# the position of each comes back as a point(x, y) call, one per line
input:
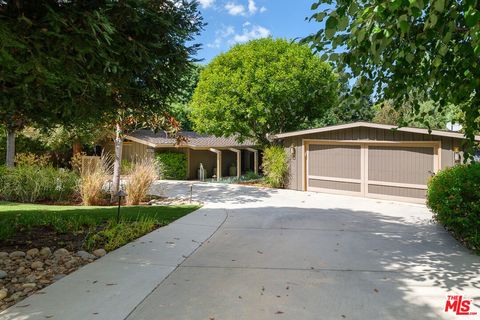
point(130, 151)
point(363, 134)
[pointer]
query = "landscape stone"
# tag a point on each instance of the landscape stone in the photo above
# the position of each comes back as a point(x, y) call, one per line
point(85, 255)
point(3, 274)
point(17, 254)
point(37, 265)
point(61, 252)
point(45, 252)
point(99, 252)
point(33, 252)
point(3, 255)
point(3, 294)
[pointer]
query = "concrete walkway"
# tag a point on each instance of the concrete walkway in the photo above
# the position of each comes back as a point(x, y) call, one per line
point(274, 254)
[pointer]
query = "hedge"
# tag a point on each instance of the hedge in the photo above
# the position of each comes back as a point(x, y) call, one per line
point(454, 197)
point(173, 165)
point(275, 166)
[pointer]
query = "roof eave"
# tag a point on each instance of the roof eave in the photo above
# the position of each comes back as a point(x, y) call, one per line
point(371, 125)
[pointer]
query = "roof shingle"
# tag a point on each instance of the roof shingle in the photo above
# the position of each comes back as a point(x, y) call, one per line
point(192, 139)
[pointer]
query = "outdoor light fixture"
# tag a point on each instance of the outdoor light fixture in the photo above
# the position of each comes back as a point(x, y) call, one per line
point(120, 194)
point(292, 151)
point(456, 155)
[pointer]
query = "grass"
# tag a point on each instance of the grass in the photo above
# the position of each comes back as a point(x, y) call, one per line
point(16, 218)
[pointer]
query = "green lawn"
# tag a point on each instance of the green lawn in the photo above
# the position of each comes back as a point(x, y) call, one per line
point(16, 218)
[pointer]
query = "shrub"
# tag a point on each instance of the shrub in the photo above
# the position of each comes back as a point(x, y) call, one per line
point(275, 166)
point(31, 159)
point(92, 181)
point(30, 183)
point(173, 165)
point(116, 235)
point(142, 176)
point(454, 197)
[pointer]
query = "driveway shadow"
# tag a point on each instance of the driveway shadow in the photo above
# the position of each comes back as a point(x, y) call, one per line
point(384, 267)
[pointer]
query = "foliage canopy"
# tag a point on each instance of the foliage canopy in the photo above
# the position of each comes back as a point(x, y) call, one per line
point(262, 87)
point(394, 47)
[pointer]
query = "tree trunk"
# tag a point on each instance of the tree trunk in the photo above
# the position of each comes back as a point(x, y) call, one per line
point(10, 159)
point(77, 148)
point(117, 160)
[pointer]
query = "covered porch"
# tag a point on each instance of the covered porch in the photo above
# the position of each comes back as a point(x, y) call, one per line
point(222, 162)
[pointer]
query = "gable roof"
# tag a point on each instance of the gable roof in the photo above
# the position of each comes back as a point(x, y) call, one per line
point(193, 140)
point(441, 133)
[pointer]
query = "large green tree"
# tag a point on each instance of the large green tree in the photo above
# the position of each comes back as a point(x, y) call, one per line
point(52, 56)
point(262, 87)
point(399, 46)
point(152, 40)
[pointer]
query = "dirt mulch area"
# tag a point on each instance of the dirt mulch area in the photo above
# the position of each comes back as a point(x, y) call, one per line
point(45, 236)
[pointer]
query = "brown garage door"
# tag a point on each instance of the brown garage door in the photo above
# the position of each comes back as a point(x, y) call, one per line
point(333, 167)
point(381, 171)
point(399, 171)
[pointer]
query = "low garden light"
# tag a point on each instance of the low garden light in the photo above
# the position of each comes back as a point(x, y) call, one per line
point(120, 194)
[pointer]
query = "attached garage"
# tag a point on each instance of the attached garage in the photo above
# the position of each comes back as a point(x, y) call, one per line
point(369, 160)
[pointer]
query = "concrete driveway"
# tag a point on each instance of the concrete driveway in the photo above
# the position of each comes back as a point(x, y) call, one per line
point(253, 253)
point(292, 255)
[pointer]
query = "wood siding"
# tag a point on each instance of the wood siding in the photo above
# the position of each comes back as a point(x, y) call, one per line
point(400, 164)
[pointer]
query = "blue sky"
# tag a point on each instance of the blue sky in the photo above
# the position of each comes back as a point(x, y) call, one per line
point(237, 21)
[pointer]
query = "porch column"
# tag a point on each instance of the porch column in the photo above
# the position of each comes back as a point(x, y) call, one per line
point(219, 162)
point(255, 159)
point(239, 161)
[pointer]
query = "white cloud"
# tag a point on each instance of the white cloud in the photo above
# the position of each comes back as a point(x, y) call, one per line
point(235, 9)
point(206, 3)
point(263, 9)
point(255, 32)
point(252, 7)
point(221, 35)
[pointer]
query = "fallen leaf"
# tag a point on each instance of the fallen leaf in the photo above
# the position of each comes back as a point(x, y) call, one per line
point(376, 290)
point(279, 312)
point(111, 284)
point(259, 252)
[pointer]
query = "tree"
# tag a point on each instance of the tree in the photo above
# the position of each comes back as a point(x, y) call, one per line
point(394, 47)
point(52, 55)
point(262, 87)
point(349, 108)
point(153, 56)
point(180, 107)
point(433, 117)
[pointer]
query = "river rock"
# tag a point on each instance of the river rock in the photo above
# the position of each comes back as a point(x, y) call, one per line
point(36, 265)
point(3, 294)
point(45, 252)
point(99, 252)
point(17, 254)
point(33, 252)
point(61, 252)
point(85, 255)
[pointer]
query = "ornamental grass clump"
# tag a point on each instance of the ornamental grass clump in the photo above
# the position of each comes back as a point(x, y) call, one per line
point(142, 175)
point(93, 179)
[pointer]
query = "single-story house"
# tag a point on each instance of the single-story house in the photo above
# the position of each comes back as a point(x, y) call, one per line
point(210, 151)
point(369, 160)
